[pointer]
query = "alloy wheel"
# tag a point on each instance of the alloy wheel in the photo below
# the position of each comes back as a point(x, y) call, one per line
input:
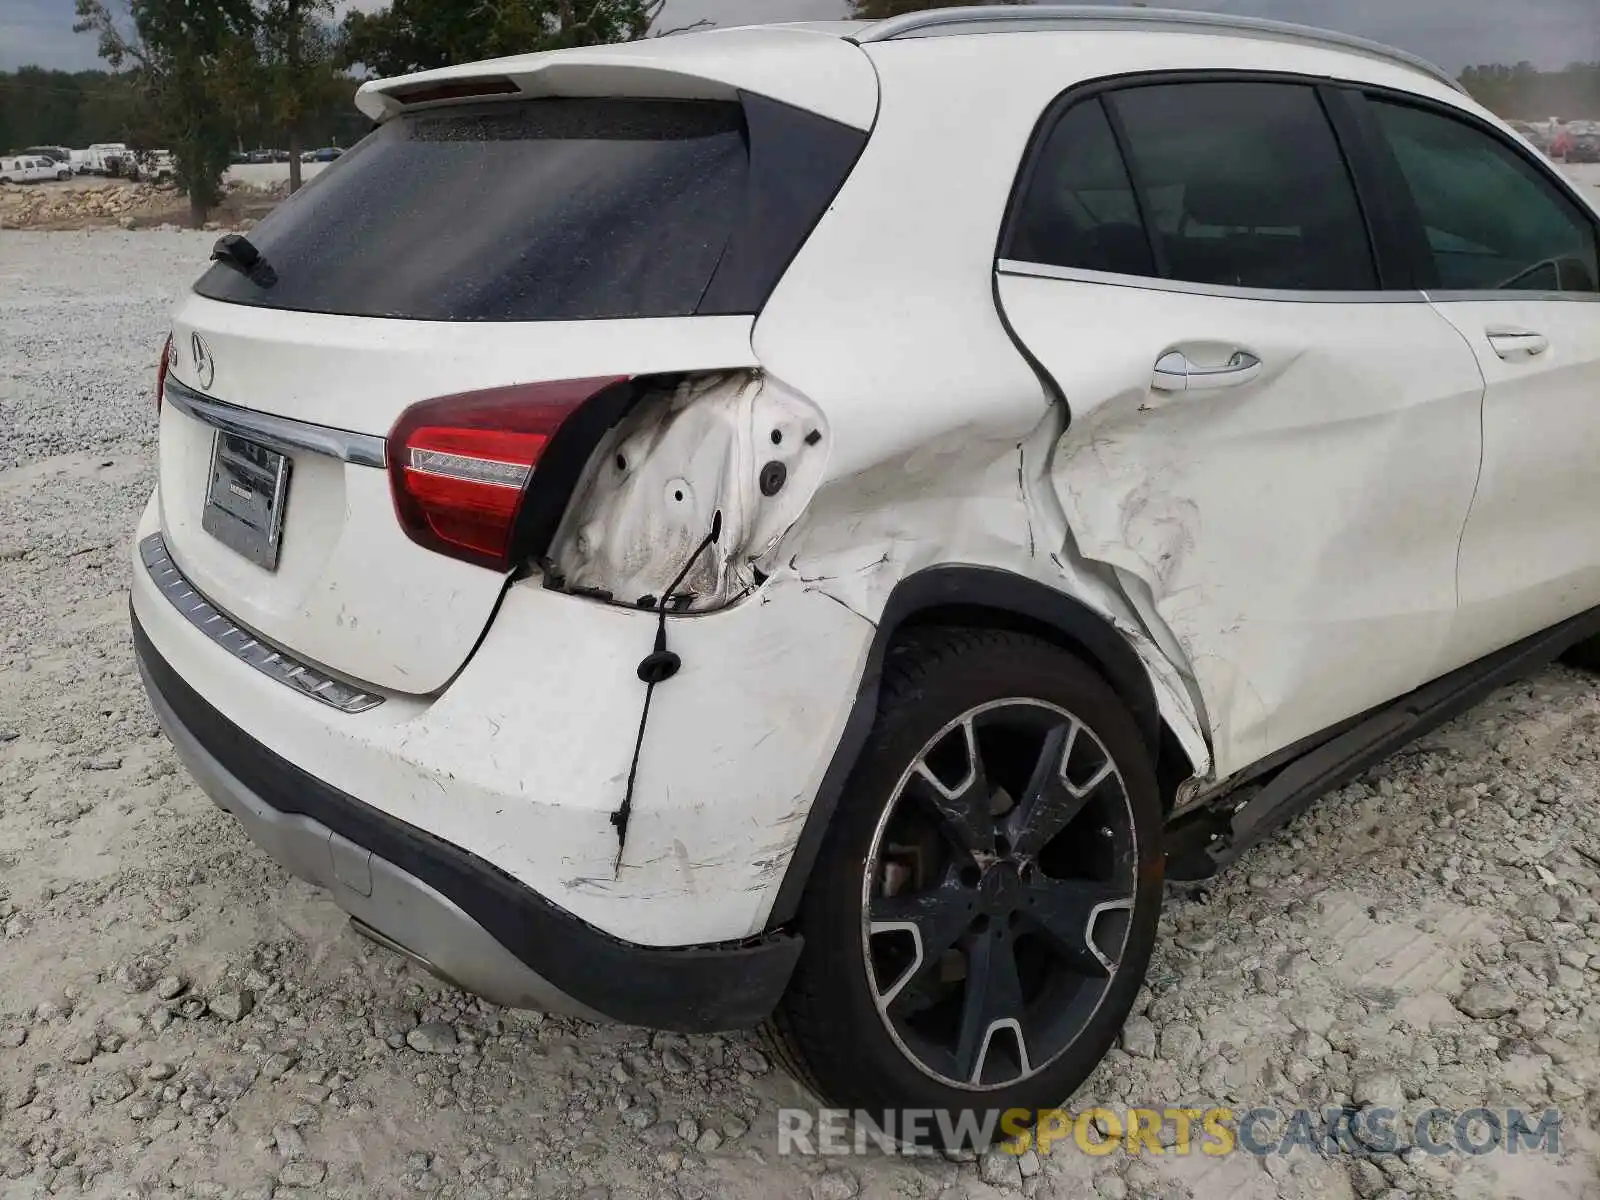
point(999, 893)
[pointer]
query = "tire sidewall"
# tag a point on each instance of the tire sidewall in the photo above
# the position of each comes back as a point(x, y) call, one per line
point(879, 1075)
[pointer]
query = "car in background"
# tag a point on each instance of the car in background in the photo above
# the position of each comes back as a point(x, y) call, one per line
point(59, 155)
point(105, 158)
point(1560, 143)
point(1537, 137)
point(156, 166)
point(1585, 148)
point(256, 157)
point(326, 154)
point(31, 168)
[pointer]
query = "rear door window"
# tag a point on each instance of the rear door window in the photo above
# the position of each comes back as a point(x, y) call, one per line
point(546, 210)
point(1247, 186)
point(1492, 220)
point(1233, 184)
point(1078, 209)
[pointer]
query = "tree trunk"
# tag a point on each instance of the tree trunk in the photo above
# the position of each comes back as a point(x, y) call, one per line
point(292, 54)
point(198, 211)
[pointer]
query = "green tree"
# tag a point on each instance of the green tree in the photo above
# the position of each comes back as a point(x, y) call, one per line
point(175, 49)
point(39, 107)
point(282, 79)
point(416, 35)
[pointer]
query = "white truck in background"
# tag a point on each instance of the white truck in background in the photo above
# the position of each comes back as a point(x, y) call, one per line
point(107, 158)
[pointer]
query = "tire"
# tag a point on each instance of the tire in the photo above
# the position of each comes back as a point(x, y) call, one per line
point(907, 862)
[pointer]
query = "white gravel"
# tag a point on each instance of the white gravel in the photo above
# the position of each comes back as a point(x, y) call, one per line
point(179, 1017)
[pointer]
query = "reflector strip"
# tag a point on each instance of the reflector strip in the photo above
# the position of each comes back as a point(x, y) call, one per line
point(472, 470)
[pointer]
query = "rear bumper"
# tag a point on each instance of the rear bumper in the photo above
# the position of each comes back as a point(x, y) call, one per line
point(460, 915)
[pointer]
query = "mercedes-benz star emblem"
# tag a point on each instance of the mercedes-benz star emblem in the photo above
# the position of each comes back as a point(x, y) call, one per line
point(204, 369)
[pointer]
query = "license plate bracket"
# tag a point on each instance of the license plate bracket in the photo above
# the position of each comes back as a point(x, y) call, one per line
point(245, 498)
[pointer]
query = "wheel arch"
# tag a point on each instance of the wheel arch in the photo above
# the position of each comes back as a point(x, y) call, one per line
point(987, 598)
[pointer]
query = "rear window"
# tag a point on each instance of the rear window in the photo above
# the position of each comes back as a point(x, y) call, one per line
point(552, 210)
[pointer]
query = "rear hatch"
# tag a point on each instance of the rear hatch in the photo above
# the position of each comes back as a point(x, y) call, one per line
point(477, 246)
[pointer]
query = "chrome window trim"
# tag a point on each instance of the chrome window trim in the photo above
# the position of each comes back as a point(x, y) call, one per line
point(243, 645)
point(282, 434)
point(1047, 17)
point(1507, 295)
point(1011, 266)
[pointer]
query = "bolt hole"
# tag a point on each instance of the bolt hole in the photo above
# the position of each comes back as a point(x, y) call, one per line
point(777, 437)
point(678, 495)
point(622, 462)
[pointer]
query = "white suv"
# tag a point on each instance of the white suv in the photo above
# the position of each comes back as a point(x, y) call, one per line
point(816, 522)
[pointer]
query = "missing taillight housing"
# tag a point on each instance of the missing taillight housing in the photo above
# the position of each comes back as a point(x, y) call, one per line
point(460, 466)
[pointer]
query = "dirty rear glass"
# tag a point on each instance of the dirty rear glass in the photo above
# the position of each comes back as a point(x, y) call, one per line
point(543, 210)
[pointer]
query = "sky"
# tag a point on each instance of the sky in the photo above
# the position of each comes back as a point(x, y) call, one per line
point(1452, 33)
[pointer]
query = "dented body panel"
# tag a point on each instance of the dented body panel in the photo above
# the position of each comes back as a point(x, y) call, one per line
point(1297, 534)
point(524, 758)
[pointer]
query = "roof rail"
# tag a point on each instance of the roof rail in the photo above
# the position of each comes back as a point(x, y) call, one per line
point(1018, 18)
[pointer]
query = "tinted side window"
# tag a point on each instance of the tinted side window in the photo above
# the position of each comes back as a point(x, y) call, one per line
point(1491, 219)
point(1078, 208)
point(1246, 186)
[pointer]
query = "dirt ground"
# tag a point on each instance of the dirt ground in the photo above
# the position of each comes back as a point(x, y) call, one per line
point(179, 1017)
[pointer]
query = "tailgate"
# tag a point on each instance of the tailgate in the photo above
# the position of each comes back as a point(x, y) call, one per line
point(457, 249)
point(350, 591)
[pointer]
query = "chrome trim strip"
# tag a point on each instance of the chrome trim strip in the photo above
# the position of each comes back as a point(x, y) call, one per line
point(215, 624)
point(282, 434)
point(1035, 17)
point(1010, 266)
point(1446, 297)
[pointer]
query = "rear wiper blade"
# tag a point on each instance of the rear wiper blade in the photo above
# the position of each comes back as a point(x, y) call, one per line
point(236, 251)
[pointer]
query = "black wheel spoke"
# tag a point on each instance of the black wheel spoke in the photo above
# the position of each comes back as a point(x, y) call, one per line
point(963, 808)
point(1052, 800)
point(1065, 911)
point(992, 1006)
point(1009, 854)
point(936, 919)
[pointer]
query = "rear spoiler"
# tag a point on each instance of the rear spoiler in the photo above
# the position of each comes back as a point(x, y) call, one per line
point(812, 70)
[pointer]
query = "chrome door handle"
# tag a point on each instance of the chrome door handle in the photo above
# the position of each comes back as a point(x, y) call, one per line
point(1175, 373)
point(1517, 343)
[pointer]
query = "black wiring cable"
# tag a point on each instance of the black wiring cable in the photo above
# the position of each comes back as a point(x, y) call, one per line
point(656, 667)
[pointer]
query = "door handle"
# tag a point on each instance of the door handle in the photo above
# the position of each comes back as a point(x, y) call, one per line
point(1517, 343)
point(1175, 373)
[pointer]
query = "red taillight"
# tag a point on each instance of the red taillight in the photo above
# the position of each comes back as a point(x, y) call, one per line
point(460, 465)
point(161, 371)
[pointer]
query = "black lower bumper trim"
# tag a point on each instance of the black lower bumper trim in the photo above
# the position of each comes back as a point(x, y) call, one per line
point(692, 989)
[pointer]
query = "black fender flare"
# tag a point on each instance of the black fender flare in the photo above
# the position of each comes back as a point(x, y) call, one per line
point(966, 595)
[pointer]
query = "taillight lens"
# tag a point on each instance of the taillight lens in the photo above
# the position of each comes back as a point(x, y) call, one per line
point(161, 371)
point(459, 465)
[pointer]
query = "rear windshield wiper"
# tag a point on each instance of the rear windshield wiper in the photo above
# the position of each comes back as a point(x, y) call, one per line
point(236, 251)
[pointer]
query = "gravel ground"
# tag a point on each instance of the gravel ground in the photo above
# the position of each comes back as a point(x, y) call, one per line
point(180, 1017)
